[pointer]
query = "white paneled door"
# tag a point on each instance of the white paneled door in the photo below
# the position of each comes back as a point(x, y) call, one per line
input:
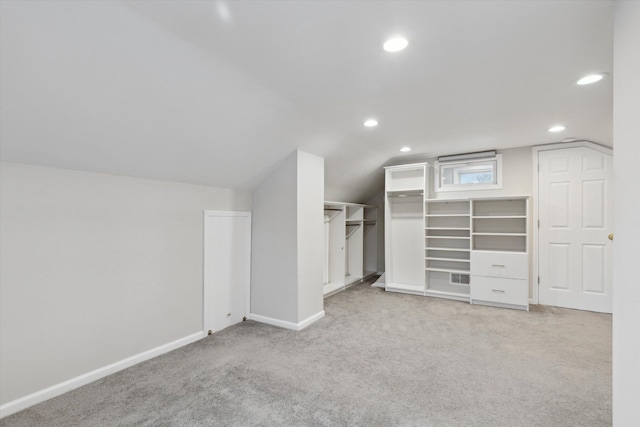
point(575, 211)
point(227, 267)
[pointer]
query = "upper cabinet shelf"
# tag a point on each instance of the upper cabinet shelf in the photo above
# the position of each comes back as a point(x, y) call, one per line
point(406, 178)
point(500, 208)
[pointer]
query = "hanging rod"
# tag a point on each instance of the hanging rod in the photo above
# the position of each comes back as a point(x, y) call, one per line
point(333, 209)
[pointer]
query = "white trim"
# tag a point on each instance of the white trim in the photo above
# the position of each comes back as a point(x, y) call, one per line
point(84, 379)
point(285, 324)
point(206, 318)
point(535, 150)
point(407, 166)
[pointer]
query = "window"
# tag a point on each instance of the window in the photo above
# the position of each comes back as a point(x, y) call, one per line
point(472, 174)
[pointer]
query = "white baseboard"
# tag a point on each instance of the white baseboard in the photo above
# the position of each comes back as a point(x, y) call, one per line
point(285, 324)
point(84, 379)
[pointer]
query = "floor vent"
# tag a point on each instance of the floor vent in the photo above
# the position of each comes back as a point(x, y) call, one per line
point(459, 279)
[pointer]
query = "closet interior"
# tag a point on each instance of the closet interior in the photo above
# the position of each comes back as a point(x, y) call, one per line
point(351, 243)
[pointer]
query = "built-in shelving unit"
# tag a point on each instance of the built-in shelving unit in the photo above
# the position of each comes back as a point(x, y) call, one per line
point(468, 249)
point(499, 256)
point(405, 187)
point(447, 248)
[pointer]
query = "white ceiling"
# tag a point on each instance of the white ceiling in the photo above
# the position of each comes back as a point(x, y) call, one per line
point(216, 93)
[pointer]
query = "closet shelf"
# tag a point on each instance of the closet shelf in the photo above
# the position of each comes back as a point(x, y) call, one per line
point(449, 228)
point(430, 258)
point(501, 234)
point(499, 217)
point(448, 215)
point(447, 270)
point(431, 248)
point(449, 237)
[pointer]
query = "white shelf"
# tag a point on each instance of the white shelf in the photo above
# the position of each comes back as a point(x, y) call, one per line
point(448, 228)
point(499, 217)
point(449, 237)
point(431, 248)
point(447, 215)
point(447, 270)
point(447, 259)
point(501, 234)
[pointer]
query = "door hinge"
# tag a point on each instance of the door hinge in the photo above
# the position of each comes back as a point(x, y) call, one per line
point(538, 167)
point(538, 223)
point(538, 280)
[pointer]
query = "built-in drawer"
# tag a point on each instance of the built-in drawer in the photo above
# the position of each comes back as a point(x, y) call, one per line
point(512, 265)
point(503, 291)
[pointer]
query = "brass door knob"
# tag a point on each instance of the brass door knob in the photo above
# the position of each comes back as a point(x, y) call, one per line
point(610, 236)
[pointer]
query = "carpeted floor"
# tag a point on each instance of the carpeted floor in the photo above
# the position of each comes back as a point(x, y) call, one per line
point(376, 359)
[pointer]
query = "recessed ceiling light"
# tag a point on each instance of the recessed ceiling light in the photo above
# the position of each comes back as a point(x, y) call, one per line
point(395, 44)
point(557, 128)
point(405, 149)
point(591, 78)
point(371, 123)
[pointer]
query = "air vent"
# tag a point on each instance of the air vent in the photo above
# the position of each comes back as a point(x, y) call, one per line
point(459, 279)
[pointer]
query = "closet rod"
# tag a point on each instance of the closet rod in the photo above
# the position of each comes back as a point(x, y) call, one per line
point(332, 209)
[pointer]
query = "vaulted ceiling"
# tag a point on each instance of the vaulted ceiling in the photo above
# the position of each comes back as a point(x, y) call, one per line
point(218, 92)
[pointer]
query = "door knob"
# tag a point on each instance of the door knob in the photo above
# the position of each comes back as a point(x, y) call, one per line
point(610, 236)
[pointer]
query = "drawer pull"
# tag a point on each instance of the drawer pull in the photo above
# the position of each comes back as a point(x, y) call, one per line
point(500, 291)
point(497, 265)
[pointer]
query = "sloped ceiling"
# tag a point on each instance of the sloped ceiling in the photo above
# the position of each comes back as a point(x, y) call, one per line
point(217, 93)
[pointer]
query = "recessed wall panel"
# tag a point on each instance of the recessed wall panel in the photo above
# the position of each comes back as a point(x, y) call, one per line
point(593, 204)
point(559, 204)
point(593, 162)
point(559, 267)
point(559, 164)
point(593, 262)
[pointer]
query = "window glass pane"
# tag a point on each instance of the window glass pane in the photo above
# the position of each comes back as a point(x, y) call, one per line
point(476, 177)
point(468, 173)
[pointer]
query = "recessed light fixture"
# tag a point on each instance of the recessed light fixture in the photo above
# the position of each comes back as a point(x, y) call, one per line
point(591, 78)
point(370, 123)
point(405, 149)
point(557, 128)
point(395, 44)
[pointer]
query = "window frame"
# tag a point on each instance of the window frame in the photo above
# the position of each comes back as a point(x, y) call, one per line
point(437, 166)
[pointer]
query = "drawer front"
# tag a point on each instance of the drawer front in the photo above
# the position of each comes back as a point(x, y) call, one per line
point(505, 291)
point(500, 264)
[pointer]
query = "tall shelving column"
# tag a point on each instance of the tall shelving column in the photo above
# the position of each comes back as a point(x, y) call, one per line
point(370, 225)
point(499, 255)
point(405, 188)
point(354, 244)
point(447, 248)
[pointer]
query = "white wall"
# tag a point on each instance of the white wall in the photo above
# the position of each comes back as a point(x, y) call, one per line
point(626, 289)
point(310, 190)
point(288, 234)
point(274, 273)
point(517, 172)
point(96, 268)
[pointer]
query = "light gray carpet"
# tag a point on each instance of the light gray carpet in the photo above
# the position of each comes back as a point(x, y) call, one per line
point(376, 359)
